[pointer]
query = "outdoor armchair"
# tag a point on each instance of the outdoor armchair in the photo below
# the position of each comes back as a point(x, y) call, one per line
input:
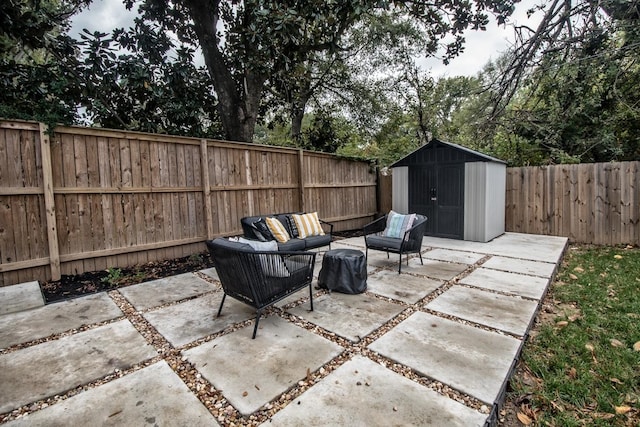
point(409, 243)
point(260, 278)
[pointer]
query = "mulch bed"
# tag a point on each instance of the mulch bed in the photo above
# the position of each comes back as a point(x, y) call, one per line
point(72, 286)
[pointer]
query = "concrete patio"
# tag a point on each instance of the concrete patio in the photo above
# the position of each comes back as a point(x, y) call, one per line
point(432, 346)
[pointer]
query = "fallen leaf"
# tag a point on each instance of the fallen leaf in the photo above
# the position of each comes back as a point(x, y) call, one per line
point(617, 256)
point(602, 415)
point(573, 276)
point(245, 394)
point(573, 373)
point(616, 343)
point(622, 409)
point(589, 347)
point(636, 346)
point(562, 323)
point(615, 380)
point(574, 317)
point(524, 419)
point(579, 270)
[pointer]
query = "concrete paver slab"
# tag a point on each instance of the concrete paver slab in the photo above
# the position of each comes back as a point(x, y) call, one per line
point(433, 268)
point(300, 293)
point(350, 316)
point(402, 287)
point(163, 291)
point(512, 283)
point(20, 297)
point(507, 313)
point(363, 393)
point(251, 373)
point(154, 395)
point(191, 320)
point(25, 326)
point(350, 243)
point(514, 265)
point(516, 245)
point(469, 359)
point(211, 272)
point(453, 256)
point(54, 367)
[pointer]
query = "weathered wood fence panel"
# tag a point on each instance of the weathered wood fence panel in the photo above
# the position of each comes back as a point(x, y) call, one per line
point(596, 203)
point(88, 199)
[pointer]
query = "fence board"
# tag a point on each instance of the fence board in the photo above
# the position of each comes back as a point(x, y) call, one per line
point(119, 198)
point(588, 203)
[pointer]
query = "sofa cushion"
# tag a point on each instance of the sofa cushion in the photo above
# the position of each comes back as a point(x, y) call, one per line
point(317, 241)
point(261, 230)
point(308, 225)
point(382, 242)
point(292, 245)
point(277, 229)
point(230, 244)
point(292, 227)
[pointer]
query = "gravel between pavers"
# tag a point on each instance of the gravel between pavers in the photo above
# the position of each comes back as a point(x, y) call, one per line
point(214, 400)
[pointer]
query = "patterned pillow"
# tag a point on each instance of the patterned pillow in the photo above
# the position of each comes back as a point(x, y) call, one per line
point(261, 230)
point(398, 224)
point(278, 230)
point(293, 227)
point(308, 225)
point(272, 266)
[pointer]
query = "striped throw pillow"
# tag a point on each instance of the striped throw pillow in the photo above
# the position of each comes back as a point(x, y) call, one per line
point(278, 230)
point(398, 224)
point(308, 225)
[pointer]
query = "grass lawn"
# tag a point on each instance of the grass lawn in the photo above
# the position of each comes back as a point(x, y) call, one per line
point(581, 364)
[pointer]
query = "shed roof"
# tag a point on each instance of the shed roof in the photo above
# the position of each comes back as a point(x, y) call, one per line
point(465, 154)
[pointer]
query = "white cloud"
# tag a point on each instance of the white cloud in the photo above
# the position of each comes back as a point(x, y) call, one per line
point(483, 46)
point(104, 16)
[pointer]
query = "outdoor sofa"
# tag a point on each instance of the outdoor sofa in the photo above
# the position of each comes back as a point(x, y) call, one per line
point(317, 234)
point(260, 278)
point(381, 235)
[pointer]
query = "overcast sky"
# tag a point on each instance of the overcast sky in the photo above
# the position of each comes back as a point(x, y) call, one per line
point(480, 46)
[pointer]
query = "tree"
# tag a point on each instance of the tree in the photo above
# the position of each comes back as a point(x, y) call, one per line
point(245, 43)
point(577, 92)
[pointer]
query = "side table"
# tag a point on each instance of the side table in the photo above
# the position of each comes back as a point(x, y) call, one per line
point(344, 270)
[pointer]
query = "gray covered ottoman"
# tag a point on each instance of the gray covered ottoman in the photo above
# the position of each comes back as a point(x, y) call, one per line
point(344, 270)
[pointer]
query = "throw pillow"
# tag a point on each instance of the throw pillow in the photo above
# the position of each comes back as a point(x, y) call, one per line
point(308, 225)
point(272, 265)
point(293, 227)
point(261, 230)
point(398, 224)
point(278, 230)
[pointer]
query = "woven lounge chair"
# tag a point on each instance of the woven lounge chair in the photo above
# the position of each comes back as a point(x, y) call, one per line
point(260, 278)
point(409, 243)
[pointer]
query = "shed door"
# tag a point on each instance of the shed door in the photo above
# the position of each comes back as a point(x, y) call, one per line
point(437, 191)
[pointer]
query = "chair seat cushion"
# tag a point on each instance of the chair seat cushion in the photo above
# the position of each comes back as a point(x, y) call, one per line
point(317, 241)
point(383, 242)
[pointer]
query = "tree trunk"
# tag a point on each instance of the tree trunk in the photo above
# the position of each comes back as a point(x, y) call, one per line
point(238, 102)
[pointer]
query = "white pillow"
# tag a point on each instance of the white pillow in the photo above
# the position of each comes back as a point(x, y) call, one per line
point(272, 266)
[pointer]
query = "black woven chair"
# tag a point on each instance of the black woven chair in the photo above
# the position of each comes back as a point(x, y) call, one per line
point(410, 243)
point(260, 279)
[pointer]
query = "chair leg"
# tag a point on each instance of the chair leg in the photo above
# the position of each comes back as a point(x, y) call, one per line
point(221, 304)
point(311, 296)
point(421, 262)
point(400, 264)
point(255, 328)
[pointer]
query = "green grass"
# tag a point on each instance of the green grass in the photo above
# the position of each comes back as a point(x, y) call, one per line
point(576, 375)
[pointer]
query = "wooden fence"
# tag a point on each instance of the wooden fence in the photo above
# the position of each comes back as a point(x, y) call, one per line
point(595, 203)
point(89, 199)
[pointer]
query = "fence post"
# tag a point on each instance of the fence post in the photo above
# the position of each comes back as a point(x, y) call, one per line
point(49, 203)
point(301, 179)
point(206, 188)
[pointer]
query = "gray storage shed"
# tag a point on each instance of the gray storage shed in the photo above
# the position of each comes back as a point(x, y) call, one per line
point(461, 191)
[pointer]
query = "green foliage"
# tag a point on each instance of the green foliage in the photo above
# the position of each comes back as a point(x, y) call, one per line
point(583, 361)
point(114, 276)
